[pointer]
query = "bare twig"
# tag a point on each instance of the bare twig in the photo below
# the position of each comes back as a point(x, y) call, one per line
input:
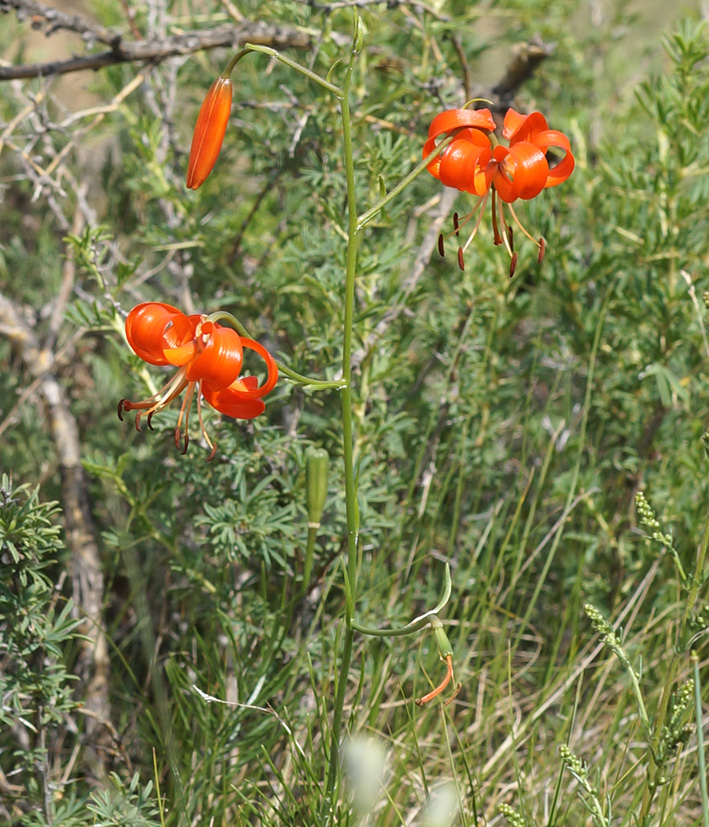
point(464, 65)
point(361, 4)
point(279, 37)
point(525, 59)
point(55, 20)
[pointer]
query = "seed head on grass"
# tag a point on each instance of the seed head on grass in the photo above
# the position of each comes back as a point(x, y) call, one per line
point(648, 518)
point(613, 642)
point(677, 731)
point(513, 817)
point(579, 770)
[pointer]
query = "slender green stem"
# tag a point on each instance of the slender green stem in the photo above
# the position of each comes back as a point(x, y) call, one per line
point(696, 582)
point(701, 758)
point(429, 618)
point(367, 216)
point(372, 631)
point(347, 434)
point(317, 384)
point(309, 554)
point(267, 50)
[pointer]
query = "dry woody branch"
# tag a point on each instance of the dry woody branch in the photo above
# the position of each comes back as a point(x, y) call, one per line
point(127, 51)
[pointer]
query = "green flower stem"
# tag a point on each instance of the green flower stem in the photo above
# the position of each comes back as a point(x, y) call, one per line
point(701, 758)
point(367, 216)
point(428, 619)
point(415, 626)
point(267, 50)
point(696, 583)
point(353, 237)
point(307, 381)
point(309, 554)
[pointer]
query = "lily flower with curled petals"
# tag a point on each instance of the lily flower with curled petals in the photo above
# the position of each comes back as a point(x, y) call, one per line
point(209, 358)
point(209, 132)
point(473, 163)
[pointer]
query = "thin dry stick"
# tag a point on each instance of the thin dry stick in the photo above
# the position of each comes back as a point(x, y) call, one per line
point(278, 37)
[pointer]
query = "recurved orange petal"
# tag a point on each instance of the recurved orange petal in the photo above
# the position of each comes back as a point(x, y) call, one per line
point(151, 326)
point(552, 138)
point(463, 163)
point(242, 399)
point(220, 358)
point(518, 127)
point(522, 171)
point(231, 403)
point(455, 118)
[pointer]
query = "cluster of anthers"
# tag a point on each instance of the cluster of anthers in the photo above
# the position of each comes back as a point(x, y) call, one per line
point(209, 359)
point(475, 162)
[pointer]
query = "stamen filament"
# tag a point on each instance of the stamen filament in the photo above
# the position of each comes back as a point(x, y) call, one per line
point(506, 226)
point(185, 408)
point(482, 203)
point(463, 221)
point(520, 225)
point(212, 445)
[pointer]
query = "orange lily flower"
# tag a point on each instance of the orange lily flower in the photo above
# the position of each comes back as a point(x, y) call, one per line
point(209, 358)
point(209, 132)
point(472, 163)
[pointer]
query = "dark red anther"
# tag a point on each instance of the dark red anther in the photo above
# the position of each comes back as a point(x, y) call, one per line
point(176, 436)
point(187, 444)
point(456, 225)
point(212, 453)
point(511, 237)
point(461, 263)
point(150, 416)
point(542, 248)
point(441, 250)
point(120, 409)
point(513, 264)
point(137, 420)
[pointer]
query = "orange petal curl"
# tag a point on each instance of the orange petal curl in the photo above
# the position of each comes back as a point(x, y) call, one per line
point(522, 171)
point(219, 359)
point(151, 327)
point(451, 119)
point(209, 132)
point(464, 162)
point(535, 130)
point(242, 399)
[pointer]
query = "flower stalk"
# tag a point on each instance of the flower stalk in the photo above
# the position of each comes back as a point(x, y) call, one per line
point(353, 238)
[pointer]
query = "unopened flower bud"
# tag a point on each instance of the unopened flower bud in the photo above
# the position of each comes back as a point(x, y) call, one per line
point(209, 132)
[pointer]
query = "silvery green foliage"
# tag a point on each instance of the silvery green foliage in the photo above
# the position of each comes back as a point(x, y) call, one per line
point(124, 806)
point(36, 625)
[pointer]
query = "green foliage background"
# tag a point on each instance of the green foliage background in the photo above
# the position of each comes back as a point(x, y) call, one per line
point(503, 426)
